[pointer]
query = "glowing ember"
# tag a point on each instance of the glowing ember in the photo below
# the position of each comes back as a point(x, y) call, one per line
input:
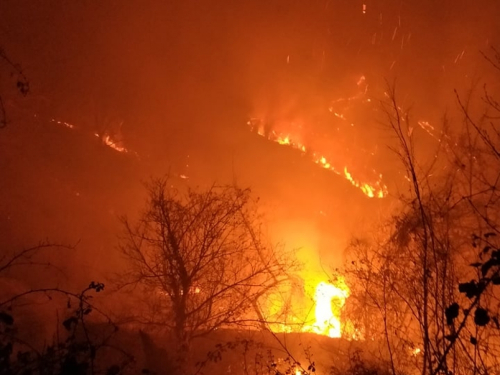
point(67, 124)
point(322, 317)
point(108, 141)
point(327, 322)
point(106, 138)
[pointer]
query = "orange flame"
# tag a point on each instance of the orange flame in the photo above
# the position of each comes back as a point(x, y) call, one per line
point(106, 138)
point(328, 300)
point(108, 141)
point(327, 322)
point(376, 189)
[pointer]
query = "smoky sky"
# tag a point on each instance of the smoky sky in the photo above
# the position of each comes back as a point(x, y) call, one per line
point(178, 80)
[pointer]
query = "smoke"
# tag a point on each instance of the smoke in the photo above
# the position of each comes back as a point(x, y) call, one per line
point(181, 79)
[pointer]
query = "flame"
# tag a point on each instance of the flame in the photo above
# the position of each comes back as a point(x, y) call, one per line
point(312, 129)
point(369, 190)
point(328, 300)
point(106, 138)
point(327, 322)
point(374, 189)
point(108, 141)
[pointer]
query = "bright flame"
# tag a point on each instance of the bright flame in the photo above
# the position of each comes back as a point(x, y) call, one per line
point(108, 141)
point(327, 322)
point(374, 189)
point(283, 141)
point(369, 190)
point(319, 129)
point(106, 138)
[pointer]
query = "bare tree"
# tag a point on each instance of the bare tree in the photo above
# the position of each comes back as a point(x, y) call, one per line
point(409, 279)
point(478, 156)
point(201, 259)
point(84, 347)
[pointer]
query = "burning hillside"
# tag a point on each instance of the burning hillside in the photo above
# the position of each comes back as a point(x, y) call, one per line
point(329, 137)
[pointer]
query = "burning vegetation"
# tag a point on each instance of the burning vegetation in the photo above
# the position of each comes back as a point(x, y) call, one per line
point(316, 140)
point(367, 244)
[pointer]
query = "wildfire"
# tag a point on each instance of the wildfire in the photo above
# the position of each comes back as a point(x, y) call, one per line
point(315, 131)
point(328, 300)
point(327, 321)
point(374, 189)
point(108, 141)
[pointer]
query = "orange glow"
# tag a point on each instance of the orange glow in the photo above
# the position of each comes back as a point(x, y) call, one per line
point(106, 138)
point(327, 321)
point(375, 189)
point(108, 141)
point(322, 317)
point(325, 134)
point(283, 141)
point(378, 190)
point(67, 124)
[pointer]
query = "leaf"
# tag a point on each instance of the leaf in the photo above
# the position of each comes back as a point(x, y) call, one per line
point(481, 317)
point(495, 255)
point(486, 266)
point(474, 240)
point(311, 367)
point(69, 322)
point(451, 313)
point(470, 289)
point(6, 318)
point(96, 286)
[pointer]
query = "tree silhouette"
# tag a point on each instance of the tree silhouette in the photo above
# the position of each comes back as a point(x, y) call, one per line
point(201, 259)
